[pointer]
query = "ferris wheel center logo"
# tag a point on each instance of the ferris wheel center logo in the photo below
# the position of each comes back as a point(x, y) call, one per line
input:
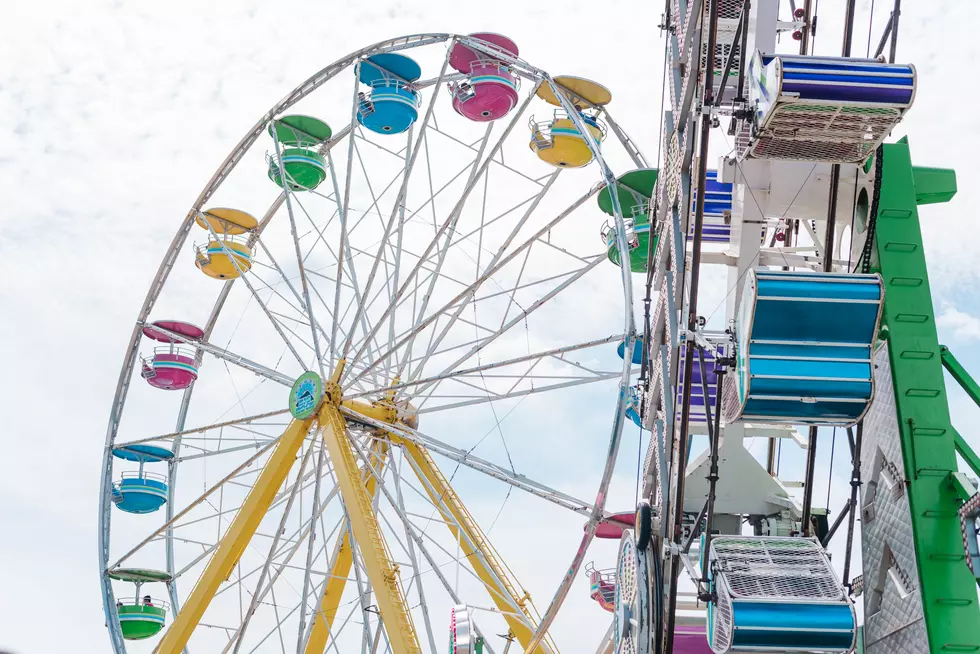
point(306, 395)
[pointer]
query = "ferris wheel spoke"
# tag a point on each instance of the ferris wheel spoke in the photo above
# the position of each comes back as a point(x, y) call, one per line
point(399, 245)
point(488, 468)
point(286, 556)
point(197, 430)
point(558, 353)
point(295, 293)
point(364, 139)
point(474, 301)
point(400, 198)
point(410, 544)
point(375, 203)
point(277, 628)
point(538, 382)
point(521, 393)
point(296, 538)
point(230, 357)
point(471, 183)
point(530, 309)
point(309, 551)
point(453, 215)
point(232, 257)
point(533, 199)
point(304, 284)
point(364, 344)
point(491, 270)
point(499, 162)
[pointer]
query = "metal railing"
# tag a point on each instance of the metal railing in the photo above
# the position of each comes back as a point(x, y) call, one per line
point(398, 85)
point(544, 127)
point(501, 68)
point(201, 250)
point(136, 474)
point(140, 601)
point(639, 211)
point(177, 350)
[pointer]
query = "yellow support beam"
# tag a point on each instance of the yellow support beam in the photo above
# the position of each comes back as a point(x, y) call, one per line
point(236, 537)
point(367, 533)
point(476, 548)
point(343, 560)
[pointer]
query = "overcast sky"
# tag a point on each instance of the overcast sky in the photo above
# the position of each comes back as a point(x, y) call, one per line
point(114, 116)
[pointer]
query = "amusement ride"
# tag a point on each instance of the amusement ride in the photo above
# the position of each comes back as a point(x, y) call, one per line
point(395, 258)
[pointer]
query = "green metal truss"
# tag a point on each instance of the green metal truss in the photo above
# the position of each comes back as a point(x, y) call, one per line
point(929, 442)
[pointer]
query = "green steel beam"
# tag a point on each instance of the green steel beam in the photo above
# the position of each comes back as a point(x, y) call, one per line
point(968, 384)
point(960, 374)
point(948, 587)
point(965, 451)
point(961, 485)
point(933, 185)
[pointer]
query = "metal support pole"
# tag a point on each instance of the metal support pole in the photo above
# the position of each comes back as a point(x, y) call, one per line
point(837, 523)
point(695, 529)
point(742, 48)
point(884, 36)
point(811, 462)
point(848, 28)
point(855, 484)
point(714, 436)
point(692, 316)
point(805, 40)
point(894, 23)
point(771, 451)
point(828, 241)
point(730, 59)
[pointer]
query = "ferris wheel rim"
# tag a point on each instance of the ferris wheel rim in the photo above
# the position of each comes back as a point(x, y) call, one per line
point(304, 89)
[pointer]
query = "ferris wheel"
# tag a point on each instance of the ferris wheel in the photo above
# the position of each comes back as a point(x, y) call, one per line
point(311, 417)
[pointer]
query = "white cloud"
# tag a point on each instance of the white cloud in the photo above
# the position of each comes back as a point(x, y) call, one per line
point(964, 326)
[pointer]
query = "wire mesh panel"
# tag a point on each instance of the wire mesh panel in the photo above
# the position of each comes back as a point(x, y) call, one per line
point(729, 12)
point(776, 568)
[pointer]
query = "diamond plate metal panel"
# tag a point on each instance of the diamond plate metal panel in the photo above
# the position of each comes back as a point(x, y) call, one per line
point(893, 604)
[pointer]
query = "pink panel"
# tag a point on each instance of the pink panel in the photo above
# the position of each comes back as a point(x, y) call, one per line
point(171, 379)
point(691, 640)
point(183, 328)
point(613, 526)
point(491, 99)
point(461, 56)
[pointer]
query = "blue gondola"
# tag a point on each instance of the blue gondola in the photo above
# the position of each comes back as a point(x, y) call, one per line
point(637, 350)
point(776, 594)
point(805, 342)
point(140, 491)
point(392, 105)
point(824, 109)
